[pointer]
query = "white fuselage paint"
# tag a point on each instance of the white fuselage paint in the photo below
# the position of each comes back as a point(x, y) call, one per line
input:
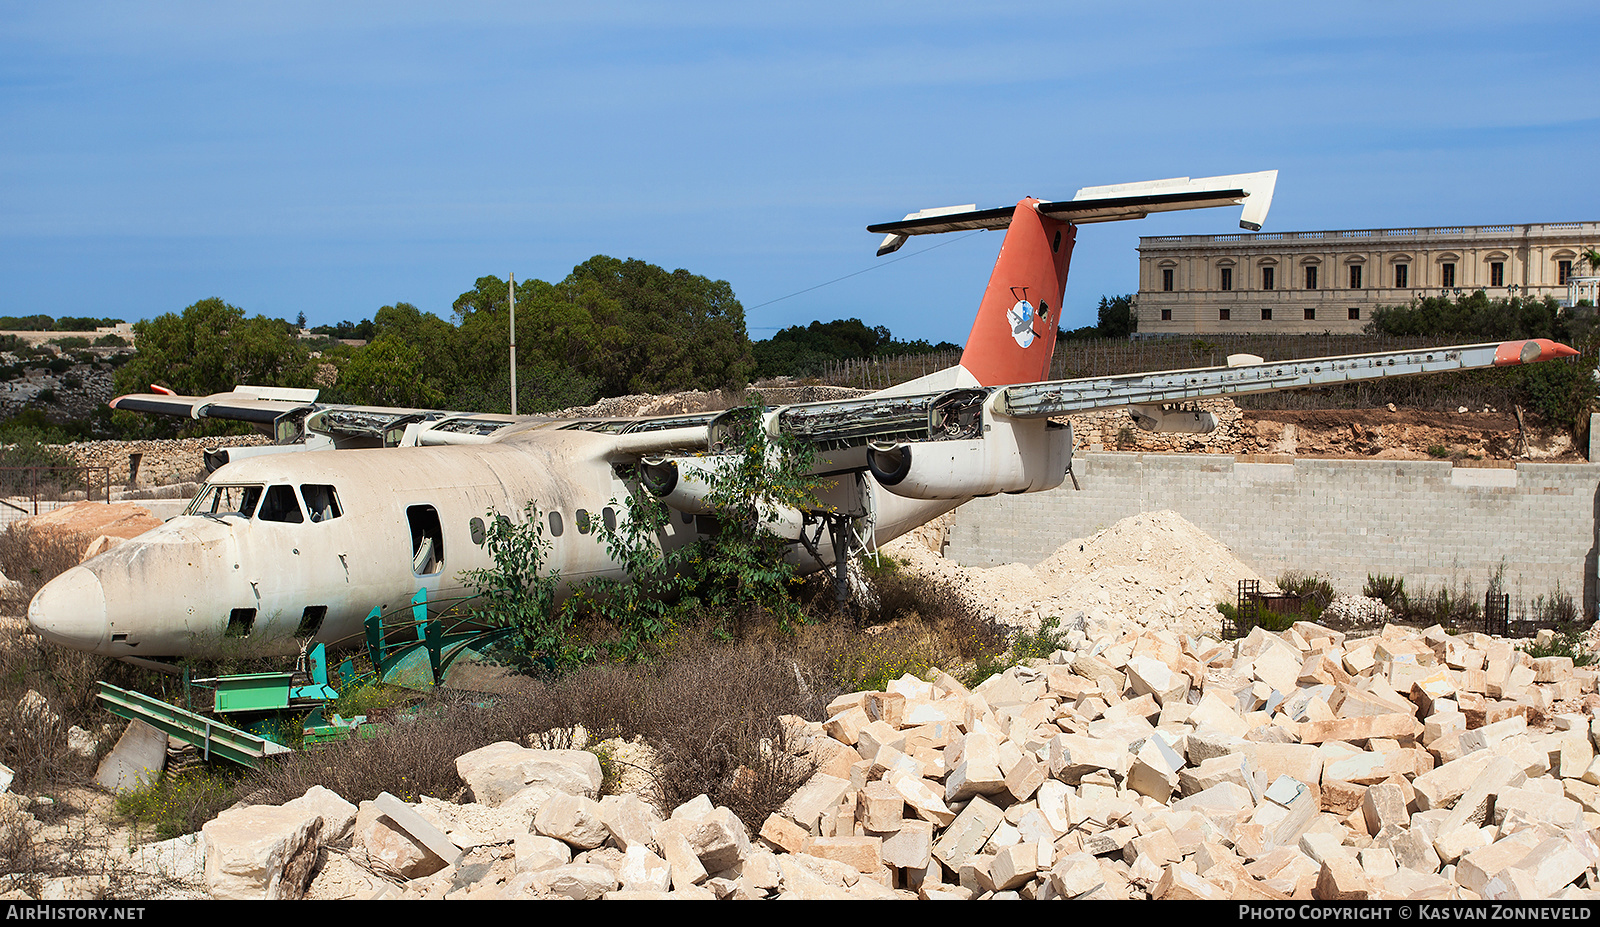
point(170, 592)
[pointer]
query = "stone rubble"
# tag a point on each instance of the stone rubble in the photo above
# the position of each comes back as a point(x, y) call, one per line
point(1154, 570)
point(1139, 764)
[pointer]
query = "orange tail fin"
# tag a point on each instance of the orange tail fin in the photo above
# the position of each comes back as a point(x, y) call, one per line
point(1015, 332)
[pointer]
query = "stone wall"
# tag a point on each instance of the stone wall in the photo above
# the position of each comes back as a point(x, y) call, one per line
point(1114, 430)
point(1426, 521)
point(163, 462)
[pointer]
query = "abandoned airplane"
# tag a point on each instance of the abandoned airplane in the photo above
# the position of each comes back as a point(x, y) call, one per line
point(286, 548)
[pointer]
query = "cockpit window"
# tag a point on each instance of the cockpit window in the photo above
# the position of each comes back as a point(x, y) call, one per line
point(226, 500)
point(321, 501)
point(280, 504)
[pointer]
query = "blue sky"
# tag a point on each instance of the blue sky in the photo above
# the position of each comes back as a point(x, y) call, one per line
point(333, 158)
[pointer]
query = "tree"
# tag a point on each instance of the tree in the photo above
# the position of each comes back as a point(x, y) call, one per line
point(1117, 316)
point(211, 348)
point(617, 327)
point(389, 372)
point(671, 331)
point(1473, 316)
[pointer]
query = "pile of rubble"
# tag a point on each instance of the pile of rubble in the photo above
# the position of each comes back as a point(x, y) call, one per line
point(1300, 765)
point(642, 405)
point(1154, 569)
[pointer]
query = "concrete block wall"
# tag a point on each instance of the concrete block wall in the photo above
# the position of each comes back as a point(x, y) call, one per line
point(1425, 521)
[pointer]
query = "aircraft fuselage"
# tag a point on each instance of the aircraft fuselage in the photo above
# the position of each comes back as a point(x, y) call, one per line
point(276, 550)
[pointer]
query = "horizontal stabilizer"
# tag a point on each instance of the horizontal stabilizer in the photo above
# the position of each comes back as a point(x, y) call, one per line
point(1101, 204)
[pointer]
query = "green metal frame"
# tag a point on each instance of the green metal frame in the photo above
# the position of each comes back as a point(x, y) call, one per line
point(210, 735)
point(424, 662)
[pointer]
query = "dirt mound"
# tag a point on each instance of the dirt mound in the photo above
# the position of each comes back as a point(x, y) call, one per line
point(643, 406)
point(95, 519)
point(1401, 434)
point(1151, 570)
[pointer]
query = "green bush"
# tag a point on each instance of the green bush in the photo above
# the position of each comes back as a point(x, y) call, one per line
point(739, 567)
point(1566, 643)
point(515, 593)
point(1266, 619)
point(1391, 590)
point(1315, 592)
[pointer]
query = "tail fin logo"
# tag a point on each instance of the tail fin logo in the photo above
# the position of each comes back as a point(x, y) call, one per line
point(1021, 318)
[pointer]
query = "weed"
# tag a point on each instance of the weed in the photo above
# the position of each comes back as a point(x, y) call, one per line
point(1391, 590)
point(1315, 592)
point(1266, 619)
point(172, 806)
point(369, 698)
point(1564, 643)
point(1025, 646)
point(1557, 610)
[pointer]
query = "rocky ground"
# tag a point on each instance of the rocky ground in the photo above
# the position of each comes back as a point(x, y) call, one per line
point(1144, 759)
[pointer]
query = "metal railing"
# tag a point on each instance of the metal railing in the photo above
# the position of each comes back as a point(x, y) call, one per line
point(29, 491)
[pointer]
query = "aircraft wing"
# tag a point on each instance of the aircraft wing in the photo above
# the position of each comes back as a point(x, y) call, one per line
point(254, 404)
point(292, 413)
point(962, 412)
point(974, 441)
point(1060, 397)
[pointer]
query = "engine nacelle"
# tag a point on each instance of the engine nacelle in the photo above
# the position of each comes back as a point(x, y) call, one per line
point(684, 484)
point(681, 483)
point(1013, 456)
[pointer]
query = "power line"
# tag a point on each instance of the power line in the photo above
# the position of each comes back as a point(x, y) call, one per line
point(858, 273)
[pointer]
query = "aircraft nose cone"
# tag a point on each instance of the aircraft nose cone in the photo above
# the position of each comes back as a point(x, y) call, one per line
point(71, 611)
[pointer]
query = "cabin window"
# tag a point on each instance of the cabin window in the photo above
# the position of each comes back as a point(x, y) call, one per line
point(280, 504)
point(582, 518)
point(240, 621)
point(556, 527)
point(608, 515)
point(321, 501)
point(427, 540)
point(226, 500)
point(311, 620)
point(478, 530)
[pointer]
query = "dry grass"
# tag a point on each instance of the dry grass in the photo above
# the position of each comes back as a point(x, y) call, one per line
point(709, 708)
point(33, 558)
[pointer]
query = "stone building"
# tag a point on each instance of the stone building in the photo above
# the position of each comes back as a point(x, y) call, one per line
point(1314, 282)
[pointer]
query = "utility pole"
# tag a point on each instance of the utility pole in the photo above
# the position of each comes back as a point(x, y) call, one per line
point(512, 293)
